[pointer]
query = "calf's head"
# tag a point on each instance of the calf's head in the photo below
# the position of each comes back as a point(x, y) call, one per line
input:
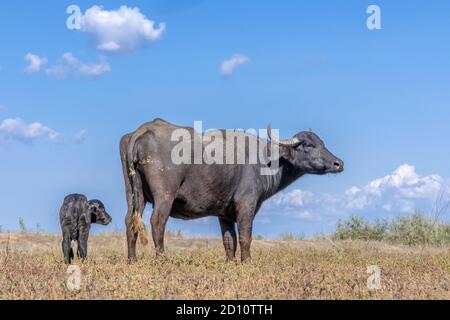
point(98, 213)
point(307, 152)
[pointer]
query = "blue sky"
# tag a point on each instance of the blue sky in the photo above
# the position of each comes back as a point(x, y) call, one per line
point(378, 98)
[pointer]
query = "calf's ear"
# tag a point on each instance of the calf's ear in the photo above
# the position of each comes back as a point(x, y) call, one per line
point(93, 217)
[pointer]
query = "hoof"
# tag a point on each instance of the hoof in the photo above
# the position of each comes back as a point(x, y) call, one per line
point(246, 261)
point(132, 260)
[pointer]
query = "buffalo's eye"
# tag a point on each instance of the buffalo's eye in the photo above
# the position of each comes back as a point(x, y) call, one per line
point(308, 146)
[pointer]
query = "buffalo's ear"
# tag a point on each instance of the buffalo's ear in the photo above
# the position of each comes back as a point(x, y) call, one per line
point(93, 217)
point(284, 154)
point(287, 154)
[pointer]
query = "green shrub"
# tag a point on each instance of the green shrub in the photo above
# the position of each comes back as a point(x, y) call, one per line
point(358, 228)
point(417, 229)
point(39, 229)
point(288, 236)
point(173, 234)
point(22, 226)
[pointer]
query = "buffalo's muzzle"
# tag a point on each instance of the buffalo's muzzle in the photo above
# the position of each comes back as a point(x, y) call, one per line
point(107, 221)
point(338, 166)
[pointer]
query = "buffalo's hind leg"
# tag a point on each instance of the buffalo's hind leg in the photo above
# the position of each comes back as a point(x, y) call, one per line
point(161, 212)
point(229, 238)
point(132, 236)
point(132, 233)
point(163, 188)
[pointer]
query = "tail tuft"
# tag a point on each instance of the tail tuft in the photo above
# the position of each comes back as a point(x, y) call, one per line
point(139, 227)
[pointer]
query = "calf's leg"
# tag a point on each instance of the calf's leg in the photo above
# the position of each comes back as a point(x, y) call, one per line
point(83, 243)
point(66, 248)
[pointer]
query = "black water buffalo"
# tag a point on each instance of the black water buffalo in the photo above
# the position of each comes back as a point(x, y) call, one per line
point(232, 192)
point(76, 216)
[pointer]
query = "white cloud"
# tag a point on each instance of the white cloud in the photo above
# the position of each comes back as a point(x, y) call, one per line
point(296, 198)
point(70, 66)
point(303, 215)
point(35, 62)
point(397, 191)
point(263, 220)
point(18, 129)
point(228, 66)
point(401, 192)
point(122, 30)
point(80, 136)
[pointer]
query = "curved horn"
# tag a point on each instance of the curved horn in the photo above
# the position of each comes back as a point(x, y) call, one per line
point(287, 143)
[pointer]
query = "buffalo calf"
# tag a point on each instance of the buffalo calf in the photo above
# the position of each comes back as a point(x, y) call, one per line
point(76, 216)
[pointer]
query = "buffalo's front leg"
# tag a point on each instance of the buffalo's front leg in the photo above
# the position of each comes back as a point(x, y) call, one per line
point(245, 217)
point(160, 215)
point(229, 238)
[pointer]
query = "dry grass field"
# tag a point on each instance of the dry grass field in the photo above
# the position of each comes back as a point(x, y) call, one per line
point(32, 268)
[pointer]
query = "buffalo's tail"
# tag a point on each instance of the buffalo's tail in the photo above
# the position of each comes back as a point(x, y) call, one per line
point(137, 225)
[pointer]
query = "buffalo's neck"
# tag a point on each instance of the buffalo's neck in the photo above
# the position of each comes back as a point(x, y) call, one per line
point(285, 176)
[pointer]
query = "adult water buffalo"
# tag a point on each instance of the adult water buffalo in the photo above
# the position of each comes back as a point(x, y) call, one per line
point(233, 192)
